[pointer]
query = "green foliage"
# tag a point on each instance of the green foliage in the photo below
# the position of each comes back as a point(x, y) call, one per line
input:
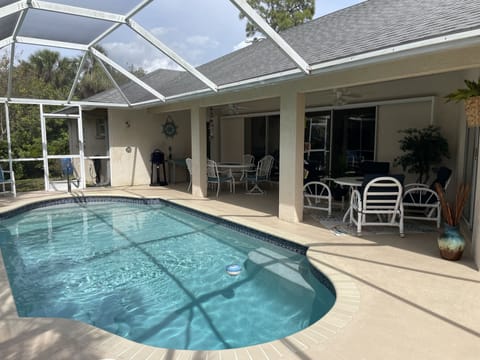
point(423, 148)
point(93, 78)
point(472, 89)
point(280, 14)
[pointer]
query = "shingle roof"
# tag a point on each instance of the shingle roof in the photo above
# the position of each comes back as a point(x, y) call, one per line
point(365, 27)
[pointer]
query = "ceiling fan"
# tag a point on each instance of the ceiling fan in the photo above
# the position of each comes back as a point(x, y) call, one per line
point(229, 109)
point(343, 96)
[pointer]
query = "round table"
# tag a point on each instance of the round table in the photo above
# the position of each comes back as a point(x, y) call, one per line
point(236, 167)
point(352, 181)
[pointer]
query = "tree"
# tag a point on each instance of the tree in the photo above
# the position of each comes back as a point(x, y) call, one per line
point(280, 14)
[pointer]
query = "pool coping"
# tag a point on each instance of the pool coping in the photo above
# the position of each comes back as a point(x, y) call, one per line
point(314, 337)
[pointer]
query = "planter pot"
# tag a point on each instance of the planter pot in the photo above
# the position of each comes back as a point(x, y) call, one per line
point(451, 243)
point(472, 111)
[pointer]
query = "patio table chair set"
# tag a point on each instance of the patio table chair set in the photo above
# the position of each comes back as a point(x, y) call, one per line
point(382, 200)
point(235, 173)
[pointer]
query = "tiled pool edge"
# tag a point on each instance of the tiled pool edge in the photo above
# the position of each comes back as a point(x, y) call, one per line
point(310, 339)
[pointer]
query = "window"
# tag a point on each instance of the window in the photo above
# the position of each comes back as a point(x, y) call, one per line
point(100, 125)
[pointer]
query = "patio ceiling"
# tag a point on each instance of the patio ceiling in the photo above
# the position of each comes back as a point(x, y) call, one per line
point(57, 24)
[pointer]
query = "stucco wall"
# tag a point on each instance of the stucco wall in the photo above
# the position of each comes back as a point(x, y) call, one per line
point(391, 119)
point(141, 133)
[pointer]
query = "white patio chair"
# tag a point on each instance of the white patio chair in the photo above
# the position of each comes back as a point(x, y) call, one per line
point(422, 203)
point(188, 162)
point(247, 159)
point(8, 177)
point(215, 177)
point(260, 174)
point(317, 195)
point(377, 203)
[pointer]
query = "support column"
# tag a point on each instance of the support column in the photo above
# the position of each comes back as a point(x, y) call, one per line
point(292, 124)
point(198, 118)
point(476, 218)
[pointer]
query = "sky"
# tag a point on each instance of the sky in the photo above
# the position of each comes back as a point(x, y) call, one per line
point(205, 31)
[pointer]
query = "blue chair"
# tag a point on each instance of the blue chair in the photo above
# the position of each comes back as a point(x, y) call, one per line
point(8, 177)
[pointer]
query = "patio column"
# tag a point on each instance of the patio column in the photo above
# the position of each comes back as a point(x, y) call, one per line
point(198, 118)
point(476, 219)
point(292, 124)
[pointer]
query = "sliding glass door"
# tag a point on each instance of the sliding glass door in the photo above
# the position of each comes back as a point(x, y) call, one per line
point(353, 139)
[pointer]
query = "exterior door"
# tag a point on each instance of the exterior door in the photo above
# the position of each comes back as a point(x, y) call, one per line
point(63, 155)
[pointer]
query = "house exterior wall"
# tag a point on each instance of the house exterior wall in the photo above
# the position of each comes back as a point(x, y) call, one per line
point(392, 119)
point(133, 135)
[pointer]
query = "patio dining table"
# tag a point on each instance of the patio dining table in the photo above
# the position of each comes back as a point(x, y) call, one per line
point(234, 166)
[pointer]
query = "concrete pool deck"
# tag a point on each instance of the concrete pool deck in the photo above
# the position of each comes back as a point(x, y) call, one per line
point(396, 298)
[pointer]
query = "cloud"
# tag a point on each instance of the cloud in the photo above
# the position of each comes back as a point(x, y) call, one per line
point(203, 41)
point(139, 54)
point(158, 32)
point(242, 44)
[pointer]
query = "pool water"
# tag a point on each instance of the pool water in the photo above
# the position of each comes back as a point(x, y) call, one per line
point(156, 274)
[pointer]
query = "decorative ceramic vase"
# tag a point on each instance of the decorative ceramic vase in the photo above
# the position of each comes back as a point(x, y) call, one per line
point(451, 243)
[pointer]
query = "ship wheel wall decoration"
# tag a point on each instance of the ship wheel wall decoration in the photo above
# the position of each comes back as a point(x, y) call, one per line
point(169, 128)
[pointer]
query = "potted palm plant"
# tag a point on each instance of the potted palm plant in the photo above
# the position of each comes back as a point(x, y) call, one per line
point(471, 96)
point(450, 242)
point(422, 149)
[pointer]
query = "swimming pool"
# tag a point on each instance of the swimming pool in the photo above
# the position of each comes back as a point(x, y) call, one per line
point(155, 273)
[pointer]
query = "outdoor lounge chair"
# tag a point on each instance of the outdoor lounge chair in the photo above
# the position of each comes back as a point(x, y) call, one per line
point(378, 203)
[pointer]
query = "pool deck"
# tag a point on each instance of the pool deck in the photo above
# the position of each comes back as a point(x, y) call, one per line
point(396, 298)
